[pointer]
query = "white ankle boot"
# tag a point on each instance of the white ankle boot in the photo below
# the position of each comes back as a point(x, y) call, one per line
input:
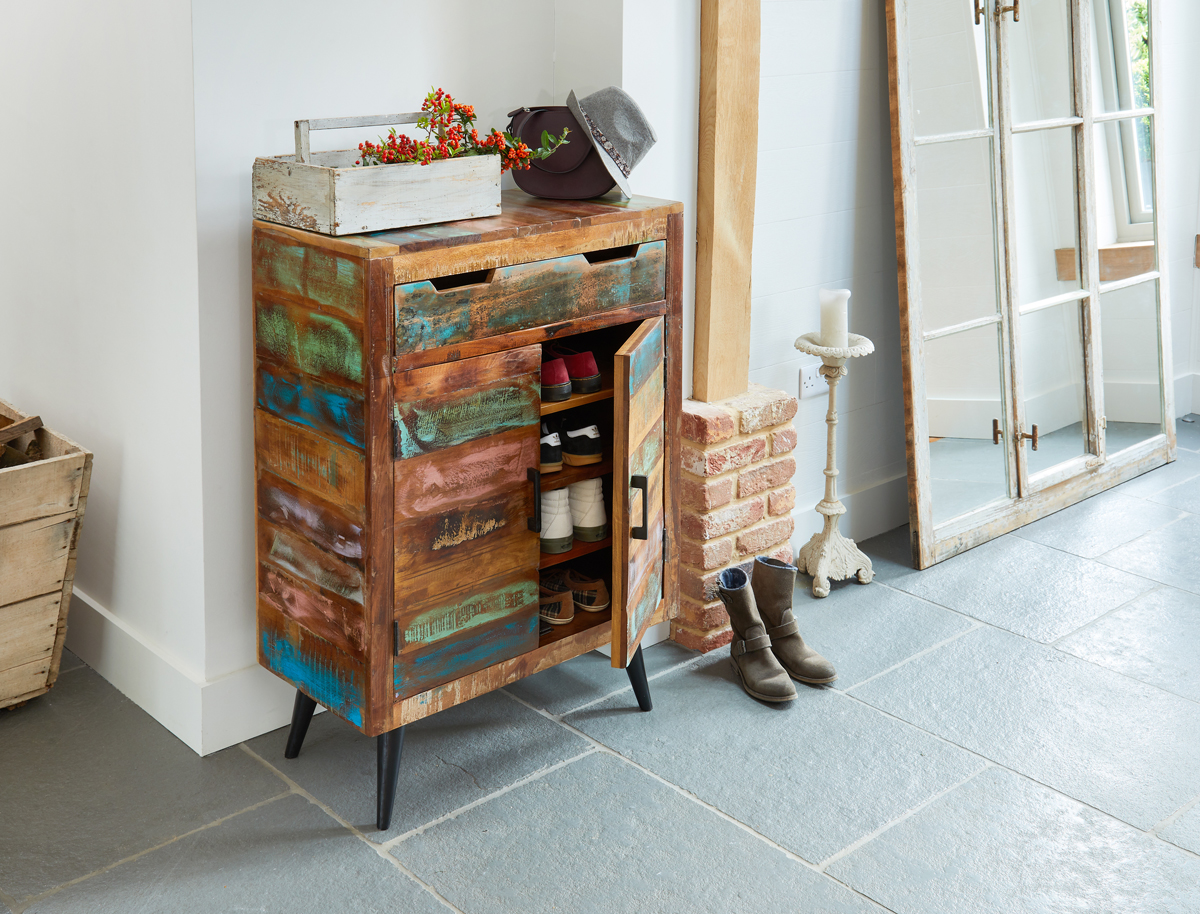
point(588, 517)
point(557, 533)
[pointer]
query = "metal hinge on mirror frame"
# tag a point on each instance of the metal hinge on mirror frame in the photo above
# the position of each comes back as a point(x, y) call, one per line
point(1015, 9)
point(1022, 436)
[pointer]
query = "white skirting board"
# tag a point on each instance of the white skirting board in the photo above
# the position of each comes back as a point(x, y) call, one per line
point(206, 715)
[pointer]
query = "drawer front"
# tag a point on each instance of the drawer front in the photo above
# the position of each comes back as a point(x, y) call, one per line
point(430, 315)
point(466, 563)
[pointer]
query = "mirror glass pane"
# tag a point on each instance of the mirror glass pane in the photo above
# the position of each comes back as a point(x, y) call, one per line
point(1120, 50)
point(1046, 213)
point(1039, 46)
point(1129, 347)
point(956, 225)
point(1053, 388)
point(963, 396)
point(948, 67)
point(1125, 197)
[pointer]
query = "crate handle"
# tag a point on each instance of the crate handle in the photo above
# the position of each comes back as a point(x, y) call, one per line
point(304, 153)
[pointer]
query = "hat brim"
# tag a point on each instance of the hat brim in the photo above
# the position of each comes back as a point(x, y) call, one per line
point(609, 164)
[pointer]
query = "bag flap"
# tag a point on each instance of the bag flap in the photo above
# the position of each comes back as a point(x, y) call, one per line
point(554, 119)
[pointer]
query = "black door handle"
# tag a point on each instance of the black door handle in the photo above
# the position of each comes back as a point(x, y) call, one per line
point(535, 522)
point(642, 532)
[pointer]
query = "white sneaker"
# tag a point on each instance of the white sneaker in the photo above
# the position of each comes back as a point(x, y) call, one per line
point(556, 522)
point(588, 517)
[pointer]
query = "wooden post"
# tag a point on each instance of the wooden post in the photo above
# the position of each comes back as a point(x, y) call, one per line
point(728, 165)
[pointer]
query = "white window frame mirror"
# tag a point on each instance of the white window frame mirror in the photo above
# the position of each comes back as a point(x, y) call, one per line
point(1065, 123)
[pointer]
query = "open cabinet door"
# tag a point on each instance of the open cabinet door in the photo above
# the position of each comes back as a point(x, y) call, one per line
point(637, 487)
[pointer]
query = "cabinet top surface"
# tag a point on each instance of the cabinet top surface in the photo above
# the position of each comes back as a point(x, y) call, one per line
point(521, 215)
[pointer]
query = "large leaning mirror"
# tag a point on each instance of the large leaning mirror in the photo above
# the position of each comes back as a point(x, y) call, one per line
point(1036, 345)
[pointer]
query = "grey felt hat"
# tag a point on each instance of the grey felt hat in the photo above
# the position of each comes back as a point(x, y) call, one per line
point(617, 128)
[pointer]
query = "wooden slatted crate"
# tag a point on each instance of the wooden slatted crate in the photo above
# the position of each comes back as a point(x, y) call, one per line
point(42, 500)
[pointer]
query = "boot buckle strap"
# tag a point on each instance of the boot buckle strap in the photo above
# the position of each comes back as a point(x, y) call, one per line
point(789, 627)
point(762, 642)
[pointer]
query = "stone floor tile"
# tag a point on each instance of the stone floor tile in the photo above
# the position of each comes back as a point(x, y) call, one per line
point(449, 760)
point(1185, 496)
point(89, 778)
point(891, 557)
point(599, 835)
point(814, 775)
point(1105, 739)
point(591, 676)
point(1096, 525)
point(70, 662)
point(1156, 639)
point(1187, 434)
point(1185, 831)
point(1167, 555)
point(1001, 844)
point(865, 630)
point(1025, 587)
point(1185, 467)
point(285, 856)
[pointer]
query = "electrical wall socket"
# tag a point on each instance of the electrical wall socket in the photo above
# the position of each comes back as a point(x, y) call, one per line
point(811, 382)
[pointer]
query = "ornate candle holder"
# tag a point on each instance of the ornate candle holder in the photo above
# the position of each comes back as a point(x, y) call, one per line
point(829, 555)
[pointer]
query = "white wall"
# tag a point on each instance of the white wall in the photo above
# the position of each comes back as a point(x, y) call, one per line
point(98, 316)
point(823, 217)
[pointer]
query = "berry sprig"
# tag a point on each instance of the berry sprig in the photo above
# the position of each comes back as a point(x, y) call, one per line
point(450, 132)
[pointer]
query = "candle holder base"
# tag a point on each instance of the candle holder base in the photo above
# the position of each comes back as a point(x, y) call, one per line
point(830, 556)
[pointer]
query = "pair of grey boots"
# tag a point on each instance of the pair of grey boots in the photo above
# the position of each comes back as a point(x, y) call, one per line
point(768, 652)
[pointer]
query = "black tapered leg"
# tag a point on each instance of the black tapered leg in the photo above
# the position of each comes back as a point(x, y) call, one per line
point(302, 712)
point(637, 679)
point(387, 756)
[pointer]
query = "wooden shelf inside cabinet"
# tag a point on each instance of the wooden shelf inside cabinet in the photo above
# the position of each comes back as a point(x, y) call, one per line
point(568, 474)
point(582, 622)
point(604, 393)
point(548, 561)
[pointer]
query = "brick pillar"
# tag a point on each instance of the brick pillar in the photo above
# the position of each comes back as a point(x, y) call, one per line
point(737, 499)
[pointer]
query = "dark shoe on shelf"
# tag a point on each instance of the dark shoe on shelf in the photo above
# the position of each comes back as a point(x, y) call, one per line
point(581, 366)
point(581, 445)
point(758, 671)
point(551, 449)
point(773, 583)
point(556, 383)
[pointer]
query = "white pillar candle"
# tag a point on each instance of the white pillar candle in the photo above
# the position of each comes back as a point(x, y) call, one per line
point(835, 318)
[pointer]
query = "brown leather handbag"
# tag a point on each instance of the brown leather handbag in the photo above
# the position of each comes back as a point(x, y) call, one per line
point(573, 172)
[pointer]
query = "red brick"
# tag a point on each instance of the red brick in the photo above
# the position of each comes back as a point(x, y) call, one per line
point(707, 423)
point(783, 554)
point(763, 476)
point(700, 641)
point(757, 540)
point(781, 501)
point(783, 441)
point(707, 494)
point(762, 407)
point(702, 587)
point(707, 555)
point(702, 617)
point(714, 461)
point(729, 519)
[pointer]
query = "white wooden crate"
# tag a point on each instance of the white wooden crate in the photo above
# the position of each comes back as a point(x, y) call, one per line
point(324, 191)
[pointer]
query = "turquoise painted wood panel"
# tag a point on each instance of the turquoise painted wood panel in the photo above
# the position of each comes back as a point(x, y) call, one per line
point(337, 413)
point(526, 295)
point(647, 358)
point(332, 282)
point(479, 648)
point(442, 422)
point(317, 669)
point(455, 616)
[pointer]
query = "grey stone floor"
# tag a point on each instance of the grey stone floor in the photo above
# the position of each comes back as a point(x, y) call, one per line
point(1015, 730)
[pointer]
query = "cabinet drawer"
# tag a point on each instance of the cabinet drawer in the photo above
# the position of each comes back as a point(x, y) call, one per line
point(440, 312)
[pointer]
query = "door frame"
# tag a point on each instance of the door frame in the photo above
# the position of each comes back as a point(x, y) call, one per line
point(1078, 479)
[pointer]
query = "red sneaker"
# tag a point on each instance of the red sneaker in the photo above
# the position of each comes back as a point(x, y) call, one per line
point(581, 366)
point(556, 383)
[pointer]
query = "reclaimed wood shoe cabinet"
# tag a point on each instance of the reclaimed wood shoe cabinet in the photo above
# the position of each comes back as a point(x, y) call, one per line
point(397, 424)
